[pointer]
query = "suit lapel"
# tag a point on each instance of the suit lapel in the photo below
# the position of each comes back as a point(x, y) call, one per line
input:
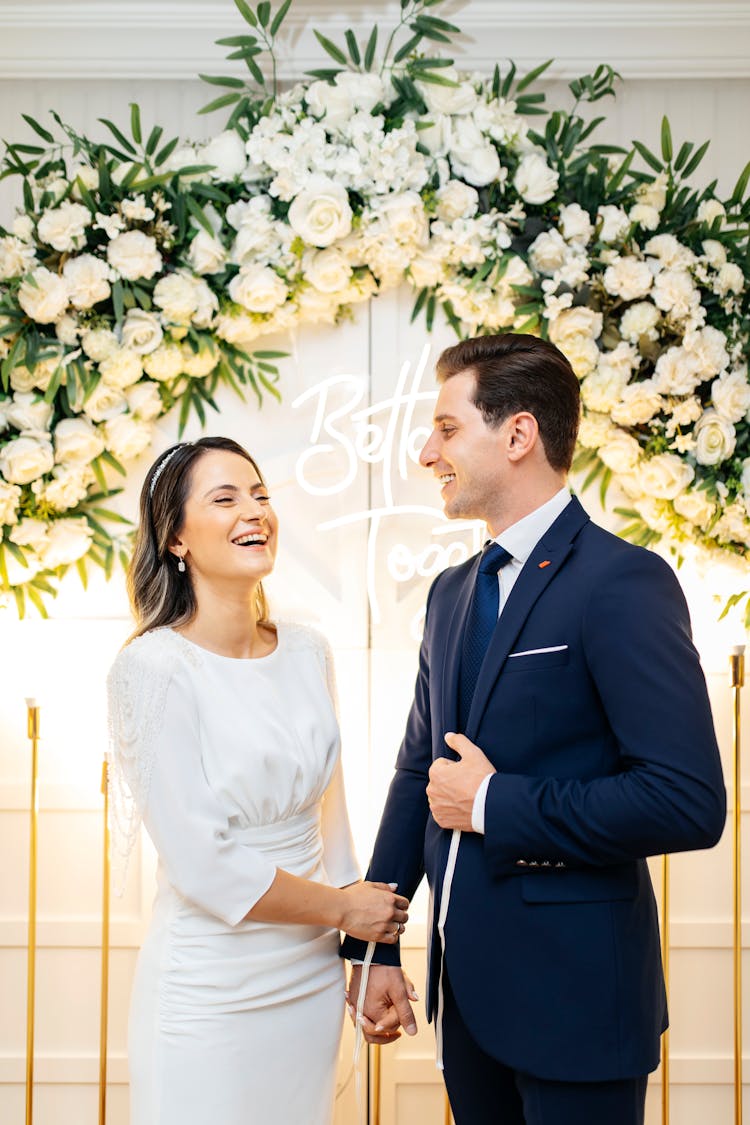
point(453, 646)
point(552, 550)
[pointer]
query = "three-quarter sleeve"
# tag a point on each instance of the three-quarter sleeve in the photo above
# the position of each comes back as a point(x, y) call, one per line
point(187, 824)
point(339, 857)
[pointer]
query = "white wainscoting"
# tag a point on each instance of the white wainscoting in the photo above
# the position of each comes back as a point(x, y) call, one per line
point(51, 56)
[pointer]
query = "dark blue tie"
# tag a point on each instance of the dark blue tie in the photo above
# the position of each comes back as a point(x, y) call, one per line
point(480, 623)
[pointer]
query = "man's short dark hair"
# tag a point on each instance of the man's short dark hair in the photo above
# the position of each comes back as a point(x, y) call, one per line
point(516, 373)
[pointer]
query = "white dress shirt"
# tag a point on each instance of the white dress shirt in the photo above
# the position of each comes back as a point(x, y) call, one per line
point(519, 540)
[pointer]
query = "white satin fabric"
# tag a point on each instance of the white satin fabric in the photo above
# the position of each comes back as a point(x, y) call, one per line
point(236, 1021)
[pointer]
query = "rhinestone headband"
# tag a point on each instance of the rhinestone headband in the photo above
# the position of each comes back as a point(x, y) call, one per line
point(162, 466)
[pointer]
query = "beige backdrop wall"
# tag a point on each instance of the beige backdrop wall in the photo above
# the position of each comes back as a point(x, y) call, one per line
point(361, 532)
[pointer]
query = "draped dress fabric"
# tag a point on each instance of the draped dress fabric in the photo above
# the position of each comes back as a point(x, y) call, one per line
point(233, 1021)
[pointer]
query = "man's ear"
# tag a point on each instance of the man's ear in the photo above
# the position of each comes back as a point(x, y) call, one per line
point(522, 435)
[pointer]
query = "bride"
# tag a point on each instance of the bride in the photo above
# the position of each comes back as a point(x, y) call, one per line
point(225, 743)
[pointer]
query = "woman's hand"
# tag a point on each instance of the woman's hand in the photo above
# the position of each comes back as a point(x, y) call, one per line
point(373, 912)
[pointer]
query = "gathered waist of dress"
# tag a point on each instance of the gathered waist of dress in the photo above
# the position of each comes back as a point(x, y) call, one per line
point(294, 843)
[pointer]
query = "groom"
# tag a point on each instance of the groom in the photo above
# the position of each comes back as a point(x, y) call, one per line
point(561, 660)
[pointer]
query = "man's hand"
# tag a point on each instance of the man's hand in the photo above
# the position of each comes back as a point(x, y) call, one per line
point(386, 1006)
point(453, 785)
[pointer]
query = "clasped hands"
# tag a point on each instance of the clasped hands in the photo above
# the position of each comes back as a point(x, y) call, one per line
point(451, 791)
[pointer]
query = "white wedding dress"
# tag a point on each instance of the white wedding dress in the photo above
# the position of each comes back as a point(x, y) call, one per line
point(234, 767)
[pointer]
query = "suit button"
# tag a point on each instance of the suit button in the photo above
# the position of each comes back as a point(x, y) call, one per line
point(534, 863)
point(521, 863)
point(559, 863)
point(546, 863)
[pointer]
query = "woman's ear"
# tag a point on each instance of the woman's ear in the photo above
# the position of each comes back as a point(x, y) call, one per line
point(177, 547)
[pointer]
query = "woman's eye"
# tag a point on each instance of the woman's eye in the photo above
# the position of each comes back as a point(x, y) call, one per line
point(263, 499)
point(223, 500)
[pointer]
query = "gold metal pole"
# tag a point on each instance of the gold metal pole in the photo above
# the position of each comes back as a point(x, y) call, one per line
point(737, 679)
point(665, 963)
point(448, 1114)
point(103, 1019)
point(375, 1084)
point(32, 727)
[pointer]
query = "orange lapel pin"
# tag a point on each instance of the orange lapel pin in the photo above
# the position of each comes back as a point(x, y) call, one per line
point(545, 563)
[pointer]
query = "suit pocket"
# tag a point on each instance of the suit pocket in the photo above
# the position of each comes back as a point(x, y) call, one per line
point(610, 884)
point(538, 661)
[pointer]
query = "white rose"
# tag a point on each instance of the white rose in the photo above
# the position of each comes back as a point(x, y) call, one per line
point(575, 224)
point(227, 153)
point(29, 414)
point(454, 100)
point(134, 255)
point(708, 346)
point(456, 200)
point(333, 103)
point(87, 279)
point(104, 402)
point(16, 257)
point(715, 438)
point(581, 353)
point(236, 328)
point(714, 253)
point(428, 268)
point(578, 321)
point(43, 296)
point(25, 459)
point(141, 331)
point(67, 330)
point(534, 180)
point(620, 453)
point(405, 216)
point(38, 378)
point(201, 363)
point(601, 390)
point(675, 293)
point(30, 532)
point(596, 430)
point(696, 507)
point(144, 400)
point(121, 369)
point(615, 224)
point(258, 289)
point(206, 254)
point(177, 297)
point(638, 404)
point(644, 216)
point(472, 157)
point(516, 273)
point(77, 442)
point(548, 251)
point(328, 270)
point(710, 210)
point(87, 176)
point(164, 363)
point(320, 213)
point(206, 304)
point(654, 194)
point(730, 394)
point(10, 498)
point(23, 227)
point(68, 487)
point(126, 436)
point(686, 412)
point(63, 228)
point(67, 541)
point(665, 476)
point(730, 280)
point(436, 134)
point(628, 278)
point(364, 90)
point(677, 372)
point(639, 320)
point(671, 253)
point(98, 343)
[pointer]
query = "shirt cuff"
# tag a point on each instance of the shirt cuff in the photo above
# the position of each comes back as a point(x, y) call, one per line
point(480, 798)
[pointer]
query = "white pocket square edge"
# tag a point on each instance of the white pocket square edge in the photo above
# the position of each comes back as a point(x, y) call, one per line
point(536, 651)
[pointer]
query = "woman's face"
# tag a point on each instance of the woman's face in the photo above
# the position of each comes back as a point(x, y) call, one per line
point(230, 529)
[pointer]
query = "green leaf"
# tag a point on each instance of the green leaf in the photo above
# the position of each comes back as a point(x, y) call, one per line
point(508, 81)
point(648, 156)
point(135, 122)
point(219, 103)
point(222, 80)
point(39, 129)
point(153, 140)
point(165, 152)
point(113, 462)
point(264, 13)
point(118, 135)
point(409, 46)
point(372, 43)
point(533, 75)
point(35, 597)
point(740, 187)
point(666, 140)
point(351, 42)
point(683, 154)
point(246, 13)
point(278, 19)
point(696, 159)
point(435, 79)
point(331, 49)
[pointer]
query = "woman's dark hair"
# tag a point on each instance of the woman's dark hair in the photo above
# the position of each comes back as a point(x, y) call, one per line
point(159, 594)
point(516, 373)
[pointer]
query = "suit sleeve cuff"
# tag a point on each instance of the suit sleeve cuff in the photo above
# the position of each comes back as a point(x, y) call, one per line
point(480, 799)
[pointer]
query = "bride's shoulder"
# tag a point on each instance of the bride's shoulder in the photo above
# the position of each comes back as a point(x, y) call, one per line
point(153, 653)
point(299, 636)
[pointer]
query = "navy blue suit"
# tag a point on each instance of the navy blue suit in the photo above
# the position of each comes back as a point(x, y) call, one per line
point(606, 753)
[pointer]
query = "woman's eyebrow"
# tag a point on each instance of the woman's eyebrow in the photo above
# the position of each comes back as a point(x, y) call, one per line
point(233, 488)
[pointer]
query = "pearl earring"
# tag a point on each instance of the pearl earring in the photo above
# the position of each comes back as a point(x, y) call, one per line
point(181, 565)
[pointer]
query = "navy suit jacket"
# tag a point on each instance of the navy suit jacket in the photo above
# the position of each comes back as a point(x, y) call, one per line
point(605, 753)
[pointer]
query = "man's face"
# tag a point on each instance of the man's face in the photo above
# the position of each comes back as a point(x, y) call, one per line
point(464, 453)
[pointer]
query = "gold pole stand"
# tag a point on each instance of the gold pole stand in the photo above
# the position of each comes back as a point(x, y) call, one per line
point(103, 1019)
point(448, 1117)
point(374, 1074)
point(737, 679)
point(32, 726)
point(665, 963)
